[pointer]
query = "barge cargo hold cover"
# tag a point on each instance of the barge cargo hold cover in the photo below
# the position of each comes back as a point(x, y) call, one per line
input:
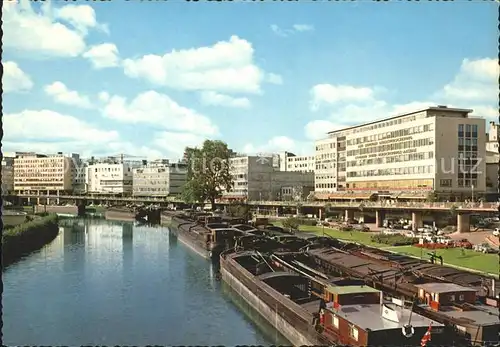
point(353, 315)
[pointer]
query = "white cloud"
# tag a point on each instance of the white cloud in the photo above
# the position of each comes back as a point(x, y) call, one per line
point(33, 130)
point(227, 66)
point(51, 38)
point(175, 143)
point(39, 125)
point(296, 28)
point(476, 81)
point(280, 144)
point(14, 79)
point(216, 99)
point(103, 55)
point(274, 78)
point(63, 95)
point(317, 129)
point(81, 17)
point(159, 110)
point(303, 27)
point(332, 94)
point(104, 96)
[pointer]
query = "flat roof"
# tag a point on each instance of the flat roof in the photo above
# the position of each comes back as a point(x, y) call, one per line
point(351, 289)
point(434, 108)
point(370, 317)
point(483, 315)
point(444, 287)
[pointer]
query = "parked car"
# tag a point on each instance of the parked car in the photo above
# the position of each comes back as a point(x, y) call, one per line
point(410, 234)
point(446, 240)
point(484, 248)
point(361, 227)
point(464, 243)
point(345, 227)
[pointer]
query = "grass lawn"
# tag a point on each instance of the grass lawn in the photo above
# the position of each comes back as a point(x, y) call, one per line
point(472, 260)
point(355, 236)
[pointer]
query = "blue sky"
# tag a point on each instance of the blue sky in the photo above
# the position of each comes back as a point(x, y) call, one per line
point(147, 79)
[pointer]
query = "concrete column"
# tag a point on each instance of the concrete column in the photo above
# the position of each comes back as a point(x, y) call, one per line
point(463, 223)
point(321, 213)
point(38, 201)
point(298, 211)
point(349, 214)
point(379, 218)
point(417, 220)
point(277, 212)
point(57, 200)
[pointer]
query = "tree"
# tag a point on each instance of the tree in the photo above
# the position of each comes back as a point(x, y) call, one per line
point(207, 172)
point(291, 223)
point(432, 197)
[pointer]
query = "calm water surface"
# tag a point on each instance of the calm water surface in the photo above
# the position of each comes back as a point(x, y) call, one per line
point(113, 283)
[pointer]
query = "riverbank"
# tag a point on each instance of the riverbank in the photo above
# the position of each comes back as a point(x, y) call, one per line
point(28, 237)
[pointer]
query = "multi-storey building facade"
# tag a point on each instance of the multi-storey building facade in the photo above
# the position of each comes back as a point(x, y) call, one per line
point(43, 174)
point(159, 178)
point(255, 178)
point(111, 177)
point(300, 163)
point(492, 138)
point(79, 171)
point(438, 148)
point(7, 174)
point(287, 161)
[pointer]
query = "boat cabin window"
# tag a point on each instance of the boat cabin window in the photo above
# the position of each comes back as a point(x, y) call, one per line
point(353, 333)
point(461, 297)
point(452, 297)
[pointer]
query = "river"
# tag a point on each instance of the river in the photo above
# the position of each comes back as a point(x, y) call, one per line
point(114, 283)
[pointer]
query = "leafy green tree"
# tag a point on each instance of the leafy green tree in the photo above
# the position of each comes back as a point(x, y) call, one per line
point(291, 223)
point(207, 173)
point(432, 197)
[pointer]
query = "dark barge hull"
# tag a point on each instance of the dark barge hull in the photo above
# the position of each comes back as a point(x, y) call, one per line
point(180, 228)
point(283, 314)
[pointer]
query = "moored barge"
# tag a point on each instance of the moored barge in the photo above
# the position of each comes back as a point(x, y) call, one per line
point(204, 233)
point(354, 315)
point(470, 310)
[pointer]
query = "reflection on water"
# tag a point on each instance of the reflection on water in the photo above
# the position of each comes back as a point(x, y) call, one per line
point(107, 282)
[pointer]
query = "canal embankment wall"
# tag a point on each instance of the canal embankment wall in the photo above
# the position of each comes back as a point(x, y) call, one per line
point(28, 237)
point(273, 315)
point(72, 210)
point(120, 213)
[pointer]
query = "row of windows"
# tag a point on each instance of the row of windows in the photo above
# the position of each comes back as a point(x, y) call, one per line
point(392, 134)
point(111, 169)
point(392, 147)
point(388, 123)
point(467, 130)
point(140, 189)
point(326, 185)
point(148, 182)
point(38, 179)
point(393, 159)
point(467, 183)
point(392, 171)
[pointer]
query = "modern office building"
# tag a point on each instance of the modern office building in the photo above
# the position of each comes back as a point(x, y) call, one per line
point(79, 171)
point(290, 162)
point(492, 138)
point(43, 174)
point(111, 176)
point(159, 178)
point(437, 149)
point(7, 174)
point(256, 178)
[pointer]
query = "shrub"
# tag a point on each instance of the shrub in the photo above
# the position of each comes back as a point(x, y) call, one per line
point(291, 223)
point(393, 240)
point(27, 237)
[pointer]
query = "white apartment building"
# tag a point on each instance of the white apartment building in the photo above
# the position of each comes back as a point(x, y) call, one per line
point(437, 148)
point(492, 138)
point(43, 174)
point(7, 174)
point(288, 161)
point(111, 177)
point(255, 178)
point(159, 178)
point(300, 163)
